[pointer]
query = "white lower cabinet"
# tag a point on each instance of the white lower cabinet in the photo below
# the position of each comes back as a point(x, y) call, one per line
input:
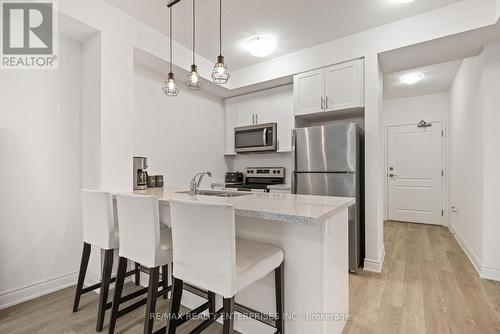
point(273, 105)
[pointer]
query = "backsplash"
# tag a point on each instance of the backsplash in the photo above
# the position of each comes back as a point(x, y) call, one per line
point(240, 161)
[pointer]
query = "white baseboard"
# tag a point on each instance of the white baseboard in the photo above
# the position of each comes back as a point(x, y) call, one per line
point(35, 290)
point(484, 271)
point(375, 265)
point(491, 273)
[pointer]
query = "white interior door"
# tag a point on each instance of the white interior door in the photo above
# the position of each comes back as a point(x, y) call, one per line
point(415, 173)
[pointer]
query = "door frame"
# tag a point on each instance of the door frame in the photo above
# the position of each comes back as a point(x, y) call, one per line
point(444, 179)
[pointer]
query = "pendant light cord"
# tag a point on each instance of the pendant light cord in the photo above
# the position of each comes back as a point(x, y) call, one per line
point(220, 27)
point(171, 57)
point(194, 30)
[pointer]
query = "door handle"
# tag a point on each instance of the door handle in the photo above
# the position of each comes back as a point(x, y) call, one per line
point(326, 102)
point(256, 118)
point(253, 119)
point(264, 136)
point(392, 175)
point(322, 103)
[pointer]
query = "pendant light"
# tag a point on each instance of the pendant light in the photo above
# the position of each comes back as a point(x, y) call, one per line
point(193, 80)
point(170, 88)
point(220, 74)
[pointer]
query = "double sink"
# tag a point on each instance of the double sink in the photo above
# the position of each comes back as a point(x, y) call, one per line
point(216, 193)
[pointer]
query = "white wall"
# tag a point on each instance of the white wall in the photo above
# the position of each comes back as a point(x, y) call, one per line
point(466, 155)
point(491, 141)
point(180, 136)
point(431, 108)
point(474, 160)
point(40, 177)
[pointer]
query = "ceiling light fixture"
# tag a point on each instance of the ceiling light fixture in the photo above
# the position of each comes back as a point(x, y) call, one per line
point(411, 78)
point(403, 1)
point(220, 74)
point(193, 80)
point(170, 87)
point(261, 46)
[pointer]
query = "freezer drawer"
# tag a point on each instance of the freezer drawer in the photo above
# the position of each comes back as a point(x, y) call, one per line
point(325, 184)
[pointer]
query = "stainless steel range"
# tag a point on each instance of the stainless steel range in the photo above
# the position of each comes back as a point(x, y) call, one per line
point(259, 178)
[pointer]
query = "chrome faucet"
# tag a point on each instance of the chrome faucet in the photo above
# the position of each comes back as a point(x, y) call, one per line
point(194, 185)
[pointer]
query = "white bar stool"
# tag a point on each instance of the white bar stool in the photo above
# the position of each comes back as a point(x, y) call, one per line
point(142, 241)
point(208, 254)
point(100, 229)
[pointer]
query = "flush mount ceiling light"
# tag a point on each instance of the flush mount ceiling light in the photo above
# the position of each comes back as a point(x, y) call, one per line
point(170, 87)
point(261, 46)
point(220, 74)
point(193, 81)
point(411, 78)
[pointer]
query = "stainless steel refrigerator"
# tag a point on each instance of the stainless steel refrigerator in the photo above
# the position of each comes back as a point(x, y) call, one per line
point(329, 161)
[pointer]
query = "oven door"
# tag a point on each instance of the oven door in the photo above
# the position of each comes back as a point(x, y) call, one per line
point(255, 138)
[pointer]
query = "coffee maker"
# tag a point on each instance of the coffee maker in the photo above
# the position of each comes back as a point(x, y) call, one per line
point(140, 174)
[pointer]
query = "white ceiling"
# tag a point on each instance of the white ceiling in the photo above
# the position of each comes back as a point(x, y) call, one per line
point(437, 79)
point(294, 24)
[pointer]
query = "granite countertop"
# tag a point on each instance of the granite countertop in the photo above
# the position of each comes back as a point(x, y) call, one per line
point(301, 209)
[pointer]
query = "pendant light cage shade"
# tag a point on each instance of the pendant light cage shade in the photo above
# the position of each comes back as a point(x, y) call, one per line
point(170, 88)
point(220, 74)
point(193, 79)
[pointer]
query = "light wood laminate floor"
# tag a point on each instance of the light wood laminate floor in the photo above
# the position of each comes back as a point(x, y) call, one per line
point(427, 286)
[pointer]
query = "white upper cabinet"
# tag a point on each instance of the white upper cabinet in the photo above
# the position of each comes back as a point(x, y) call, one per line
point(309, 89)
point(344, 86)
point(273, 105)
point(247, 107)
point(336, 87)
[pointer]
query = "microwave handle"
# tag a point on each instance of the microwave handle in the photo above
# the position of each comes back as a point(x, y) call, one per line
point(264, 136)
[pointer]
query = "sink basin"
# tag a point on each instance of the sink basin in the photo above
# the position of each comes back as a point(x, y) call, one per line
point(217, 193)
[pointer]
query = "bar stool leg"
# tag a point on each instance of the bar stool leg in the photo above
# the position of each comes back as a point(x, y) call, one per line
point(175, 304)
point(279, 276)
point(120, 279)
point(228, 315)
point(137, 274)
point(211, 300)
point(164, 271)
point(105, 280)
point(81, 275)
point(154, 276)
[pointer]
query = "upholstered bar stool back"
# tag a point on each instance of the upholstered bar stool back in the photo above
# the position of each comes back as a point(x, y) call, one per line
point(139, 222)
point(142, 241)
point(100, 227)
point(208, 255)
point(204, 245)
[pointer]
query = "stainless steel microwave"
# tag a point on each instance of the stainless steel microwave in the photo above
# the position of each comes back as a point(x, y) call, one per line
point(258, 138)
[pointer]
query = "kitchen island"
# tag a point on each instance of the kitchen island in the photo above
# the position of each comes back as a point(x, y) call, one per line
point(313, 232)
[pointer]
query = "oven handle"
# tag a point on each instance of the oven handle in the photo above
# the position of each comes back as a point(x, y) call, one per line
point(264, 136)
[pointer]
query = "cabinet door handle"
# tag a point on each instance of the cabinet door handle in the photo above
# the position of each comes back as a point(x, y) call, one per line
point(326, 102)
point(253, 119)
point(322, 103)
point(256, 118)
